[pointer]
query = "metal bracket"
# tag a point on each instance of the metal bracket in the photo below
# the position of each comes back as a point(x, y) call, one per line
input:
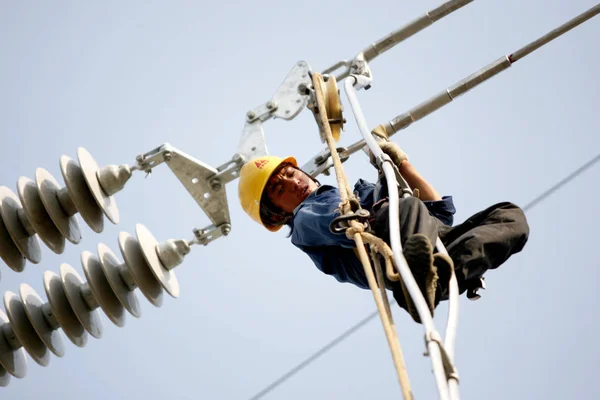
point(203, 182)
point(289, 98)
point(361, 72)
point(252, 144)
point(286, 103)
point(198, 179)
point(228, 172)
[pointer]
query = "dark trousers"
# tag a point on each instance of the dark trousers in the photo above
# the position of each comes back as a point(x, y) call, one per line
point(484, 241)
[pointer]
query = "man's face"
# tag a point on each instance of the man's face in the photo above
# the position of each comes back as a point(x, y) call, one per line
point(288, 187)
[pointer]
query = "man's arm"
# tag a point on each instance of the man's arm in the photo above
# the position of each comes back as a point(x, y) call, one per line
point(416, 181)
point(408, 171)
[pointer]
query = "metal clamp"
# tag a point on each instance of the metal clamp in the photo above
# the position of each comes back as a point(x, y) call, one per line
point(322, 162)
point(287, 102)
point(206, 235)
point(145, 162)
point(341, 223)
point(449, 369)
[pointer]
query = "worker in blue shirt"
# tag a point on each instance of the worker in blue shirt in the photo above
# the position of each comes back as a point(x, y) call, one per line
point(275, 192)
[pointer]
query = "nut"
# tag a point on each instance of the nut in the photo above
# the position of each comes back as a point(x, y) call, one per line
point(225, 229)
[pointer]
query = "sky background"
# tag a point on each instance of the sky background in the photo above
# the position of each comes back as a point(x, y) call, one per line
point(121, 78)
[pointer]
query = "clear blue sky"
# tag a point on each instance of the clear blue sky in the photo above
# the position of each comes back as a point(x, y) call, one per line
point(121, 78)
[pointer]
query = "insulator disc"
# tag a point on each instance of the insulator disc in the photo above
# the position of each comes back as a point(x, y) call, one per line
point(72, 283)
point(48, 189)
point(99, 285)
point(38, 216)
point(12, 360)
point(24, 329)
point(80, 194)
point(148, 244)
point(62, 310)
point(9, 251)
point(4, 377)
point(33, 305)
point(29, 246)
point(139, 269)
point(90, 168)
point(126, 295)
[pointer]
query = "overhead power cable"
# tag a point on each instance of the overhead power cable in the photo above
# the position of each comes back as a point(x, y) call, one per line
point(348, 332)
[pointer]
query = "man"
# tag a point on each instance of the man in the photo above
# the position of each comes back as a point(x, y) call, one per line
point(275, 192)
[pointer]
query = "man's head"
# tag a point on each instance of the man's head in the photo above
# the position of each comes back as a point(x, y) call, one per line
point(270, 188)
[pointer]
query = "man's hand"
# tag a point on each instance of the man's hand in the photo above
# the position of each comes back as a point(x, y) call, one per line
point(420, 187)
point(394, 151)
point(397, 155)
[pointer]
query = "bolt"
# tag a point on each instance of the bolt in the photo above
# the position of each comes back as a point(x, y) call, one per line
point(215, 184)
point(167, 156)
point(250, 115)
point(225, 229)
point(270, 105)
point(200, 236)
point(319, 159)
point(303, 89)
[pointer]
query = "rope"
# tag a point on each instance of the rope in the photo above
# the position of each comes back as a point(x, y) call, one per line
point(360, 237)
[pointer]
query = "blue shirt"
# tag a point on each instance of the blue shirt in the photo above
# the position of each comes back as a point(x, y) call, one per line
point(332, 253)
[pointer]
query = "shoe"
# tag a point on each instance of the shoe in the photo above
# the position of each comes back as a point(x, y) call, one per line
point(444, 265)
point(418, 252)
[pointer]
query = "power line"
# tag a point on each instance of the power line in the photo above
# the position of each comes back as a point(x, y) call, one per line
point(564, 181)
point(347, 333)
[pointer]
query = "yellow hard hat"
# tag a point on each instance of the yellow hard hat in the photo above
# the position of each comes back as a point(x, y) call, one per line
point(254, 176)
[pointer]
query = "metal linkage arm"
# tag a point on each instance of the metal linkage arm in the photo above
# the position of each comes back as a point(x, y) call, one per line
point(399, 35)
